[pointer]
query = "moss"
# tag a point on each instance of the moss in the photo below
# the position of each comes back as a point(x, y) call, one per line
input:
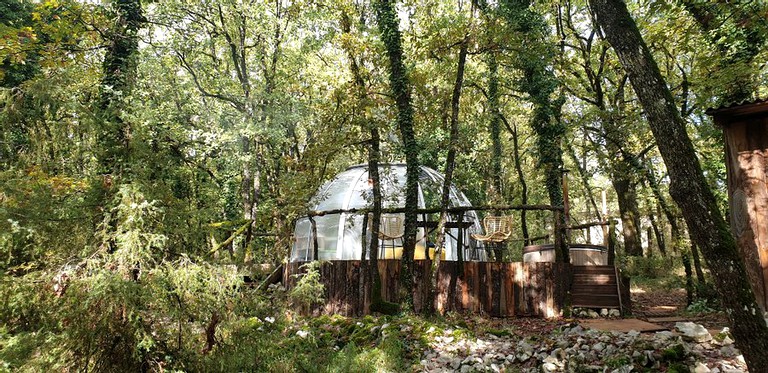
point(498, 332)
point(678, 368)
point(674, 353)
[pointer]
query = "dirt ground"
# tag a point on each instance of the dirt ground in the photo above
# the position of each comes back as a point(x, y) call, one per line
point(665, 307)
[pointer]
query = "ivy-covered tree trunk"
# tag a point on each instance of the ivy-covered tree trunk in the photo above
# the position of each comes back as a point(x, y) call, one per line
point(119, 70)
point(539, 82)
point(688, 186)
point(386, 16)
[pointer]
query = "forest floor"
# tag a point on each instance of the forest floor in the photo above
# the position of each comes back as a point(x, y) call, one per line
point(668, 306)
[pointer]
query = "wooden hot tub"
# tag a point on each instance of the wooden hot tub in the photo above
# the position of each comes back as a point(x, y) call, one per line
point(581, 254)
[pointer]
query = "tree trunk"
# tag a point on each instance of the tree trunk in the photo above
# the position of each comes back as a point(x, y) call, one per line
point(520, 178)
point(689, 288)
point(626, 195)
point(119, 73)
point(386, 16)
point(495, 125)
point(450, 163)
point(688, 186)
point(661, 242)
point(373, 281)
point(584, 178)
point(539, 82)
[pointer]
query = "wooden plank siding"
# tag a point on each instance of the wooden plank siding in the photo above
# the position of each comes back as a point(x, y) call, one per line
point(490, 288)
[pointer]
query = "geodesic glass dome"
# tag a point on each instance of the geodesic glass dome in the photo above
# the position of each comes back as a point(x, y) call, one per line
point(340, 236)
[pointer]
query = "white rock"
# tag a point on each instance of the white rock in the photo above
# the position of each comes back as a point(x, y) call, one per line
point(726, 341)
point(599, 346)
point(693, 331)
point(614, 313)
point(701, 368)
point(548, 368)
point(604, 312)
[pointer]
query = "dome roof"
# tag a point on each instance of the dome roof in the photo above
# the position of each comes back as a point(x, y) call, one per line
point(340, 235)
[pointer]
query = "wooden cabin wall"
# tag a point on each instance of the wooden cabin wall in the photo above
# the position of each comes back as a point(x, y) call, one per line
point(746, 143)
point(496, 289)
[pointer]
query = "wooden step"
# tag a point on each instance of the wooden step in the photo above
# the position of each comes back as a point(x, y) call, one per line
point(595, 300)
point(603, 270)
point(594, 289)
point(594, 279)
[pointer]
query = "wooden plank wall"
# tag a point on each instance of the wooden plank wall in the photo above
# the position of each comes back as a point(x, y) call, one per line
point(495, 289)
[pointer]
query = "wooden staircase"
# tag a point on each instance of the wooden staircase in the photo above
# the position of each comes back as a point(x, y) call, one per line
point(595, 287)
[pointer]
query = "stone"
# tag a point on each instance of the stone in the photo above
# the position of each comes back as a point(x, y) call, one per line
point(523, 356)
point(701, 368)
point(549, 367)
point(693, 331)
point(558, 354)
point(465, 369)
point(614, 313)
point(456, 363)
point(592, 314)
point(604, 312)
point(728, 351)
point(599, 346)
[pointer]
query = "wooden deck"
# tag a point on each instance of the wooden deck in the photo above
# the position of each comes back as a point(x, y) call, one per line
point(495, 289)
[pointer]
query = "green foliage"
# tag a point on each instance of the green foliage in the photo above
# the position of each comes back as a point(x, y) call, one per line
point(654, 267)
point(308, 290)
point(699, 306)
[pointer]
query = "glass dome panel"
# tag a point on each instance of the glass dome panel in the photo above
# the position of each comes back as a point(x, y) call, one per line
point(339, 236)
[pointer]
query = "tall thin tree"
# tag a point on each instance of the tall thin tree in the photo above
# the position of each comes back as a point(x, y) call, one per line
point(388, 21)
